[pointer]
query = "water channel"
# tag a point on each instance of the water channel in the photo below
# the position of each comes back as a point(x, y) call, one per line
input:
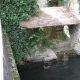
point(69, 70)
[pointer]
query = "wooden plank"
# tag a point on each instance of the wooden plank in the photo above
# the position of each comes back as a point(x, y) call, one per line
point(51, 16)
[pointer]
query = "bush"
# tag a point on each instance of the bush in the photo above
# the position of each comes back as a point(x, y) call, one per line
point(11, 13)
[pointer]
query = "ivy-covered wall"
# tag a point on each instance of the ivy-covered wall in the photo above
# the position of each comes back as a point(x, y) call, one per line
point(11, 13)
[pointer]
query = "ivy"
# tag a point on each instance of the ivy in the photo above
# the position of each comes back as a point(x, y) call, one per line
point(11, 13)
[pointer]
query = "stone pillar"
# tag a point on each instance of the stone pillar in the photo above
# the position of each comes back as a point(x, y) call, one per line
point(75, 38)
point(74, 6)
point(74, 29)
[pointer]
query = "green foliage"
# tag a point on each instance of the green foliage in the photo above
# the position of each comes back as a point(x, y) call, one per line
point(73, 44)
point(63, 37)
point(47, 43)
point(11, 13)
point(65, 2)
point(14, 11)
point(62, 2)
point(52, 2)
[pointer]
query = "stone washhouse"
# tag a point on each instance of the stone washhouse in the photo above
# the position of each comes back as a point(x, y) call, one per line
point(56, 16)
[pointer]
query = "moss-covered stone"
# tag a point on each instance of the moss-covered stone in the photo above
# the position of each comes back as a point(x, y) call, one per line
point(13, 68)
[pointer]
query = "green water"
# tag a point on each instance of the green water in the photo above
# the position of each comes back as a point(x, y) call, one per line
point(69, 70)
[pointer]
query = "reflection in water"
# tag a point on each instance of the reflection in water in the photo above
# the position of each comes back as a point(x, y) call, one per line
point(57, 71)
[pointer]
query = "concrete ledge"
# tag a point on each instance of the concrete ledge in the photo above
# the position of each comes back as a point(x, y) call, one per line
point(13, 68)
point(8, 69)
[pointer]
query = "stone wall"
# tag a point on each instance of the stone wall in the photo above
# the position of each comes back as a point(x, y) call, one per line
point(8, 69)
point(10, 61)
point(54, 32)
point(75, 38)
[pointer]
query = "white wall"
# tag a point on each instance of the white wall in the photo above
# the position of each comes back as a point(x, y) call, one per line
point(1, 54)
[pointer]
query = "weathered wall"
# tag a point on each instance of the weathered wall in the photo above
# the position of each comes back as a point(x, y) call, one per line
point(54, 32)
point(75, 29)
point(75, 38)
point(8, 69)
point(10, 59)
